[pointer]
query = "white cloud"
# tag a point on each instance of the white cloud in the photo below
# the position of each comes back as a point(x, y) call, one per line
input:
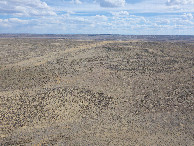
point(111, 3)
point(16, 20)
point(3, 2)
point(25, 8)
point(76, 2)
point(101, 17)
point(187, 16)
point(163, 22)
point(11, 22)
point(120, 14)
point(179, 2)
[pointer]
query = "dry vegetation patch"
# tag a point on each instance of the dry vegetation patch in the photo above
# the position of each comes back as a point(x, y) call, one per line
point(73, 92)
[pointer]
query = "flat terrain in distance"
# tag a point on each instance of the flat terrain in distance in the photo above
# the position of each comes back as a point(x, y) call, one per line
point(97, 91)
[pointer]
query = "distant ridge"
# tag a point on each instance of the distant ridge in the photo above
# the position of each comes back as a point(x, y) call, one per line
point(102, 37)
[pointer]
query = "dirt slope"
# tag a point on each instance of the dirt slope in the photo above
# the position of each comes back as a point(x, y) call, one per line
point(68, 92)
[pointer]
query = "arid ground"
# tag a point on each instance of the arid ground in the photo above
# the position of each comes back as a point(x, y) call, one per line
point(96, 92)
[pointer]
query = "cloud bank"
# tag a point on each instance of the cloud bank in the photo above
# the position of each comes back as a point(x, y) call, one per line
point(179, 2)
point(25, 8)
point(97, 16)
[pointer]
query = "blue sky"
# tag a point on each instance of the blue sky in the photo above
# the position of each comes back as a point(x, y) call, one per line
point(138, 17)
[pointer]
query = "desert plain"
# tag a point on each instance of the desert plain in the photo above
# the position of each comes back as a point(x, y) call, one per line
point(56, 91)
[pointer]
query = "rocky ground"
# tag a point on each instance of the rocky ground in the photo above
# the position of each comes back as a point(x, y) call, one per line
point(73, 92)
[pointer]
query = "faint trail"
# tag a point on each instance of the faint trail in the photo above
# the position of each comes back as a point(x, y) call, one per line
point(36, 61)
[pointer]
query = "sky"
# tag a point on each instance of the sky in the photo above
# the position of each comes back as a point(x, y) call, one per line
point(130, 17)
